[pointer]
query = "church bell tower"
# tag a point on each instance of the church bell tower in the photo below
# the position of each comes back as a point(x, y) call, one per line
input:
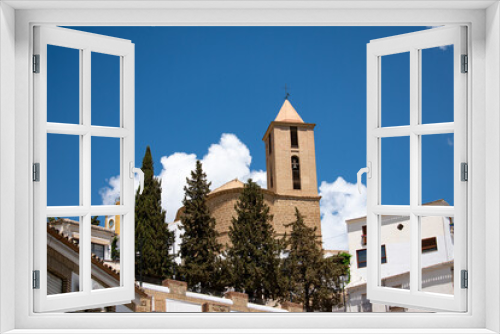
point(290, 154)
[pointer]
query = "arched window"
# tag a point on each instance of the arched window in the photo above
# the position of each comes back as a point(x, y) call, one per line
point(296, 172)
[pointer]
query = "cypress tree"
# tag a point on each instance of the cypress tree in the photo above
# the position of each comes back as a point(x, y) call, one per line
point(115, 252)
point(200, 249)
point(310, 279)
point(253, 256)
point(152, 237)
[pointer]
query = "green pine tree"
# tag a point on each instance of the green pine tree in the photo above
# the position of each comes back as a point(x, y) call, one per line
point(310, 279)
point(254, 254)
point(152, 237)
point(94, 221)
point(115, 251)
point(200, 249)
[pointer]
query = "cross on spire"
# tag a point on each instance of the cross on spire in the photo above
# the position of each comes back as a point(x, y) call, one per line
point(287, 94)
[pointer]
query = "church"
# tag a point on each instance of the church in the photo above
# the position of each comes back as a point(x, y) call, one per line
point(291, 178)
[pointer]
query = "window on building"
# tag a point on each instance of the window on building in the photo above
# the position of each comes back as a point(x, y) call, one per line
point(54, 284)
point(98, 250)
point(383, 256)
point(296, 172)
point(429, 245)
point(361, 256)
point(363, 235)
point(294, 138)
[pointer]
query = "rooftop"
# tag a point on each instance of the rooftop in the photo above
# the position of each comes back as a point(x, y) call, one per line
point(288, 113)
point(233, 184)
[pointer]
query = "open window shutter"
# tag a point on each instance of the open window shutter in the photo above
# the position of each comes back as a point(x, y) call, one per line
point(83, 280)
point(416, 296)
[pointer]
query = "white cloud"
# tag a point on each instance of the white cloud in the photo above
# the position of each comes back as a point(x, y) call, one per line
point(227, 160)
point(340, 201)
point(257, 176)
point(449, 141)
point(111, 194)
point(176, 168)
point(224, 161)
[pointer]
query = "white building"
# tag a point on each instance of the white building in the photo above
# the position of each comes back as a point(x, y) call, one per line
point(101, 237)
point(436, 258)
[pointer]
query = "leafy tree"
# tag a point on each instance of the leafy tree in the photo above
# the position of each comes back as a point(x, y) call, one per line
point(310, 279)
point(115, 252)
point(95, 221)
point(254, 254)
point(152, 237)
point(200, 249)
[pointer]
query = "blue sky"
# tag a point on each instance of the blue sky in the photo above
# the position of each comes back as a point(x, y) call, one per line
point(193, 84)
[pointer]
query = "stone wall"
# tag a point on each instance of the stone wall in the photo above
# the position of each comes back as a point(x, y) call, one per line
point(177, 291)
point(283, 210)
point(221, 205)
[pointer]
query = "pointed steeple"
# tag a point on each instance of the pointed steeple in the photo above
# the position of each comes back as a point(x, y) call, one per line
point(288, 114)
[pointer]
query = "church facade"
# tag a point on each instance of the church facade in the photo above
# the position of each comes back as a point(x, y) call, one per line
point(291, 177)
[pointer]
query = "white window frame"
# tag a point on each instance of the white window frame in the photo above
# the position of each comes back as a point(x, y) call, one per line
point(483, 20)
point(414, 43)
point(85, 43)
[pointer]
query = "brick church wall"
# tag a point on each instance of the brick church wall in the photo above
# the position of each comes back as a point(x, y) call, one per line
point(282, 208)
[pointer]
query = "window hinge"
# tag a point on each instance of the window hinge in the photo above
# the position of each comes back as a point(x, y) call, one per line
point(36, 63)
point(465, 279)
point(464, 168)
point(465, 64)
point(36, 172)
point(36, 279)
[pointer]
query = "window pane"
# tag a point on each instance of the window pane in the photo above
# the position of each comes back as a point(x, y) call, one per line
point(106, 187)
point(105, 247)
point(395, 251)
point(63, 85)
point(437, 169)
point(437, 254)
point(395, 91)
point(437, 84)
point(105, 90)
point(63, 170)
point(63, 255)
point(361, 258)
point(395, 171)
